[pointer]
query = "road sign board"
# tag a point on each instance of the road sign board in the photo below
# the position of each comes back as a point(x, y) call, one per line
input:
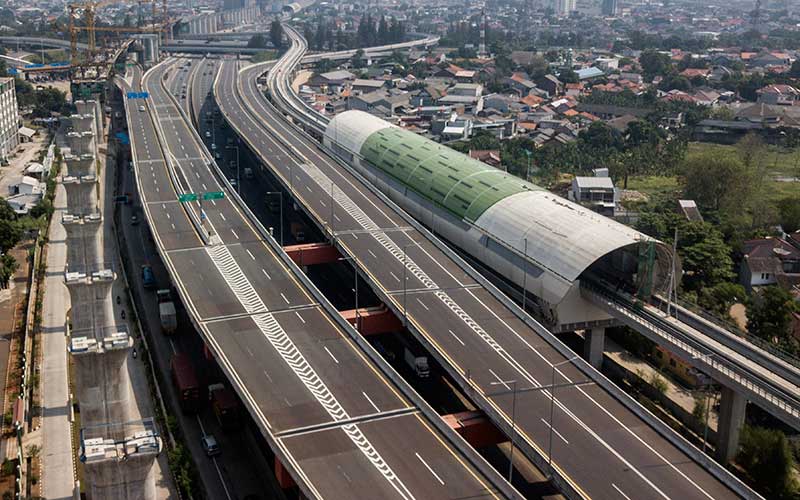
point(183, 198)
point(214, 195)
point(137, 95)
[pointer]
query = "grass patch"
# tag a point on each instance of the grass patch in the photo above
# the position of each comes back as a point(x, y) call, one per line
point(780, 162)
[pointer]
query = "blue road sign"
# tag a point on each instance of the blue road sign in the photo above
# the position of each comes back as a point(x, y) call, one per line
point(138, 95)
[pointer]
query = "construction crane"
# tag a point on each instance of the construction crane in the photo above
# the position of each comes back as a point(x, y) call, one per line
point(87, 10)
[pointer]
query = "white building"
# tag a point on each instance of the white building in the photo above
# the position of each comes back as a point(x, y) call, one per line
point(9, 118)
point(563, 8)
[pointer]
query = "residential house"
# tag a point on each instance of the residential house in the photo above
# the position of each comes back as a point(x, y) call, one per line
point(597, 193)
point(361, 86)
point(380, 102)
point(551, 85)
point(769, 261)
point(332, 81)
point(780, 94)
point(590, 73)
point(488, 156)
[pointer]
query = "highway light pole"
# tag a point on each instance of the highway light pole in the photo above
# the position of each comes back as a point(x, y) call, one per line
point(552, 407)
point(280, 197)
point(513, 384)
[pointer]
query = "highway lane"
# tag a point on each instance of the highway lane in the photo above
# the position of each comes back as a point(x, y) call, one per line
point(471, 330)
point(297, 366)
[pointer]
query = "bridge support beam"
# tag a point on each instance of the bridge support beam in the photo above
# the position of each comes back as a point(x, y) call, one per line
point(373, 321)
point(475, 428)
point(310, 254)
point(593, 345)
point(732, 406)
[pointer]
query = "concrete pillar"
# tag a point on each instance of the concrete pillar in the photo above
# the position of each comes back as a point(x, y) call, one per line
point(593, 346)
point(81, 123)
point(81, 194)
point(80, 142)
point(732, 408)
point(79, 165)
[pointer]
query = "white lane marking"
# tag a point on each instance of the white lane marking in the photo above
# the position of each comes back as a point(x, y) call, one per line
point(250, 254)
point(173, 226)
point(620, 491)
point(266, 274)
point(309, 189)
point(500, 380)
point(456, 337)
point(284, 297)
point(547, 424)
point(267, 375)
point(234, 233)
point(222, 216)
point(372, 253)
point(395, 277)
point(331, 355)
point(168, 217)
point(204, 187)
point(336, 217)
point(377, 410)
point(429, 469)
point(249, 352)
point(300, 317)
point(423, 304)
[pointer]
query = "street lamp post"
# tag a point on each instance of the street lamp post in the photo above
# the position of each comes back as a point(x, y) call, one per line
point(552, 407)
point(280, 197)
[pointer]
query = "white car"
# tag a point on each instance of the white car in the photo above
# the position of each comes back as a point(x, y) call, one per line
point(210, 445)
point(141, 108)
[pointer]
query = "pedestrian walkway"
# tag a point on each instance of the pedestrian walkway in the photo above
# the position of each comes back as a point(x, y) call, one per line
point(57, 458)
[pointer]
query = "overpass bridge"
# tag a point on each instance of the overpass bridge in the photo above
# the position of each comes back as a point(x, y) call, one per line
point(290, 356)
point(603, 444)
point(750, 372)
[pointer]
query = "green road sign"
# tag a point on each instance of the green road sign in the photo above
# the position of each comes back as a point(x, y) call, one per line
point(183, 198)
point(213, 195)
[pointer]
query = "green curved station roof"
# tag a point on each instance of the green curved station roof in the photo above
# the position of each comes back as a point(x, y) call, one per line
point(464, 186)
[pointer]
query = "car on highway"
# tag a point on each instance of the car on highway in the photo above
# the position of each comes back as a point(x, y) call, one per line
point(208, 133)
point(141, 108)
point(210, 445)
point(134, 220)
point(233, 182)
point(213, 146)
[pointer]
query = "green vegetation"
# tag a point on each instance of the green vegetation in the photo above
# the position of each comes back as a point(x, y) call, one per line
point(767, 457)
point(276, 34)
point(769, 314)
point(264, 55)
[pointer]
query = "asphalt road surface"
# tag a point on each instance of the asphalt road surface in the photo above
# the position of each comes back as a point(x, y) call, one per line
point(293, 367)
point(597, 441)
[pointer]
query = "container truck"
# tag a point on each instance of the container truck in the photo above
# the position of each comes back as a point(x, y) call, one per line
point(225, 406)
point(166, 311)
point(417, 363)
point(185, 381)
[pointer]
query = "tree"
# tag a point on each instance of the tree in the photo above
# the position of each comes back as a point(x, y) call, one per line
point(789, 210)
point(10, 229)
point(568, 76)
point(719, 298)
point(769, 314)
point(276, 33)
point(8, 265)
point(767, 457)
point(654, 63)
point(258, 41)
point(717, 182)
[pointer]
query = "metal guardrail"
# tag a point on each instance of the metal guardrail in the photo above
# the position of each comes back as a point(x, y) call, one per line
point(624, 398)
point(701, 354)
point(458, 442)
point(732, 328)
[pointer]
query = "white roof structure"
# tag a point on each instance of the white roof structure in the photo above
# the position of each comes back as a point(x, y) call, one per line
point(594, 182)
point(563, 237)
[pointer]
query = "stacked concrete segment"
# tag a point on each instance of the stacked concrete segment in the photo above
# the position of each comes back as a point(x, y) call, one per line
point(118, 454)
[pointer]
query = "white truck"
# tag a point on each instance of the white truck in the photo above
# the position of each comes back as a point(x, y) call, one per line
point(417, 363)
point(166, 311)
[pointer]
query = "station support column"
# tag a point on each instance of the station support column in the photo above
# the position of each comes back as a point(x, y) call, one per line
point(732, 407)
point(593, 346)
